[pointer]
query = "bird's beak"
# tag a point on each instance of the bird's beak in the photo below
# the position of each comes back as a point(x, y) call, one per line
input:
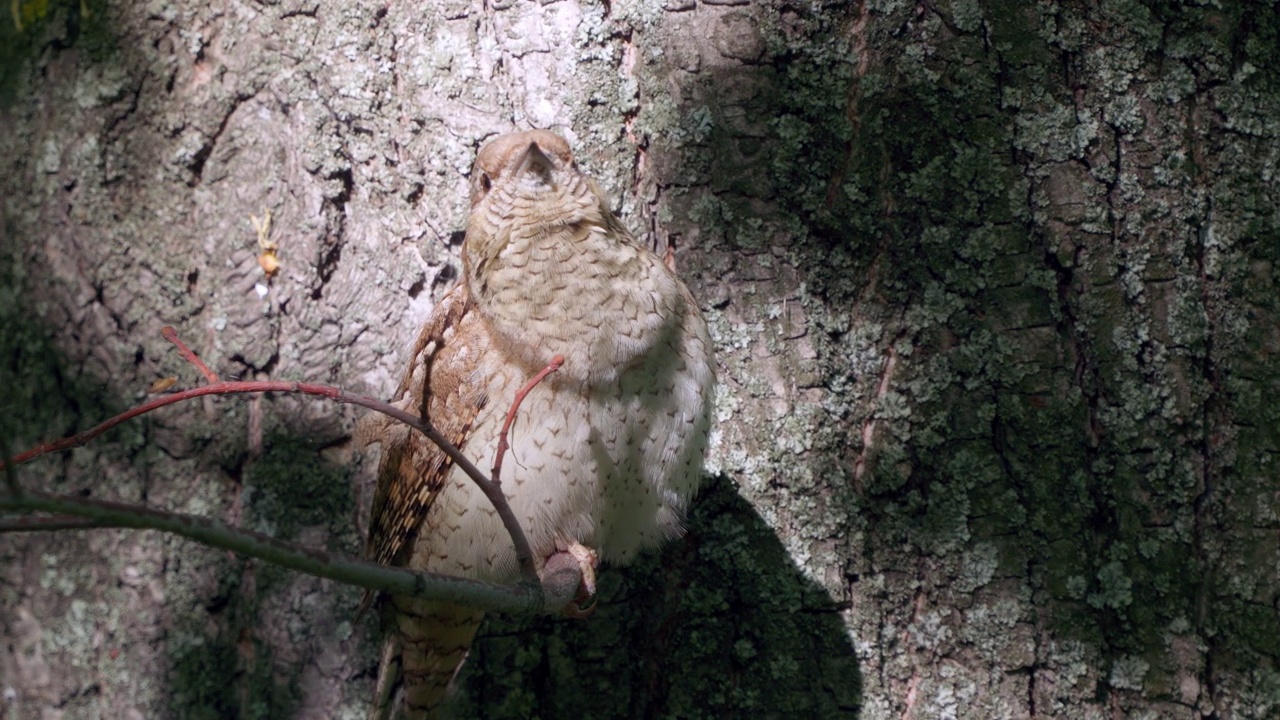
point(535, 162)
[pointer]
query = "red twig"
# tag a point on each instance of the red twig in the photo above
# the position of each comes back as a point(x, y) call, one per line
point(491, 490)
point(217, 388)
point(172, 336)
point(503, 446)
point(257, 386)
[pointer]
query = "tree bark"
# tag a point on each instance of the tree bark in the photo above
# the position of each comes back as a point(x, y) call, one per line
point(991, 284)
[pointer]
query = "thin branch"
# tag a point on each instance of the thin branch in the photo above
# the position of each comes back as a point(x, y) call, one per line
point(491, 490)
point(10, 473)
point(524, 554)
point(503, 446)
point(168, 333)
point(39, 523)
point(549, 596)
point(86, 513)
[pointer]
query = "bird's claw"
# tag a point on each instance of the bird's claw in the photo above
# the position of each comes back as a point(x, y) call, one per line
point(584, 603)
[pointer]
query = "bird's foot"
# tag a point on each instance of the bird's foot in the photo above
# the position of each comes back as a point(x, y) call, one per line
point(584, 602)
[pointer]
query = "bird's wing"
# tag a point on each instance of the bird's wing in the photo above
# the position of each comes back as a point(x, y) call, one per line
point(439, 386)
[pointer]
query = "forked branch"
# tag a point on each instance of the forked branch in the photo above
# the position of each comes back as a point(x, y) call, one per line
point(557, 588)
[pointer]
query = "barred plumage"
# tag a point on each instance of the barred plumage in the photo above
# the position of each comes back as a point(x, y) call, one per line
point(606, 452)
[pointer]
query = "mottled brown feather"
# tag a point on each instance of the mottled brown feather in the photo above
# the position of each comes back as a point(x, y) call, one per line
point(443, 387)
point(412, 469)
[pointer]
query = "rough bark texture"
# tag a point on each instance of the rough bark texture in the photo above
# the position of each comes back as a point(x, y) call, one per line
point(992, 286)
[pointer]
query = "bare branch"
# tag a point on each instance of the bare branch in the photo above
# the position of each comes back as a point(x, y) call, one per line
point(503, 446)
point(524, 557)
point(523, 552)
point(522, 598)
point(40, 523)
point(168, 333)
point(10, 474)
point(491, 490)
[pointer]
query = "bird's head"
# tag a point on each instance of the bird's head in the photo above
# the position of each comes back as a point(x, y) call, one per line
point(525, 186)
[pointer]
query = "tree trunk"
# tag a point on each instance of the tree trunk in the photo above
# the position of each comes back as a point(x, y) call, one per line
point(992, 288)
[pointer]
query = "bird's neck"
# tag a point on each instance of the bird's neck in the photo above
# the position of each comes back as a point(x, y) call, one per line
point(579, 292)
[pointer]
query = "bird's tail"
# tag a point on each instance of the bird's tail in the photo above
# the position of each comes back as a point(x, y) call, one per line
point(423, 645)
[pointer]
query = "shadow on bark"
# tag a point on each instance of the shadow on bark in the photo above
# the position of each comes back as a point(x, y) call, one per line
point(232, 629)
point(49, 25)
point(262, 626)
point(719, 625)
point(1048, 425)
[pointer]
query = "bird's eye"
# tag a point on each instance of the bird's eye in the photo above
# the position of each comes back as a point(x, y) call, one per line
point(481, 183)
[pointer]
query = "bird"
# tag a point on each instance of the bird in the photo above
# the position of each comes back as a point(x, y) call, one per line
point(605, 454)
